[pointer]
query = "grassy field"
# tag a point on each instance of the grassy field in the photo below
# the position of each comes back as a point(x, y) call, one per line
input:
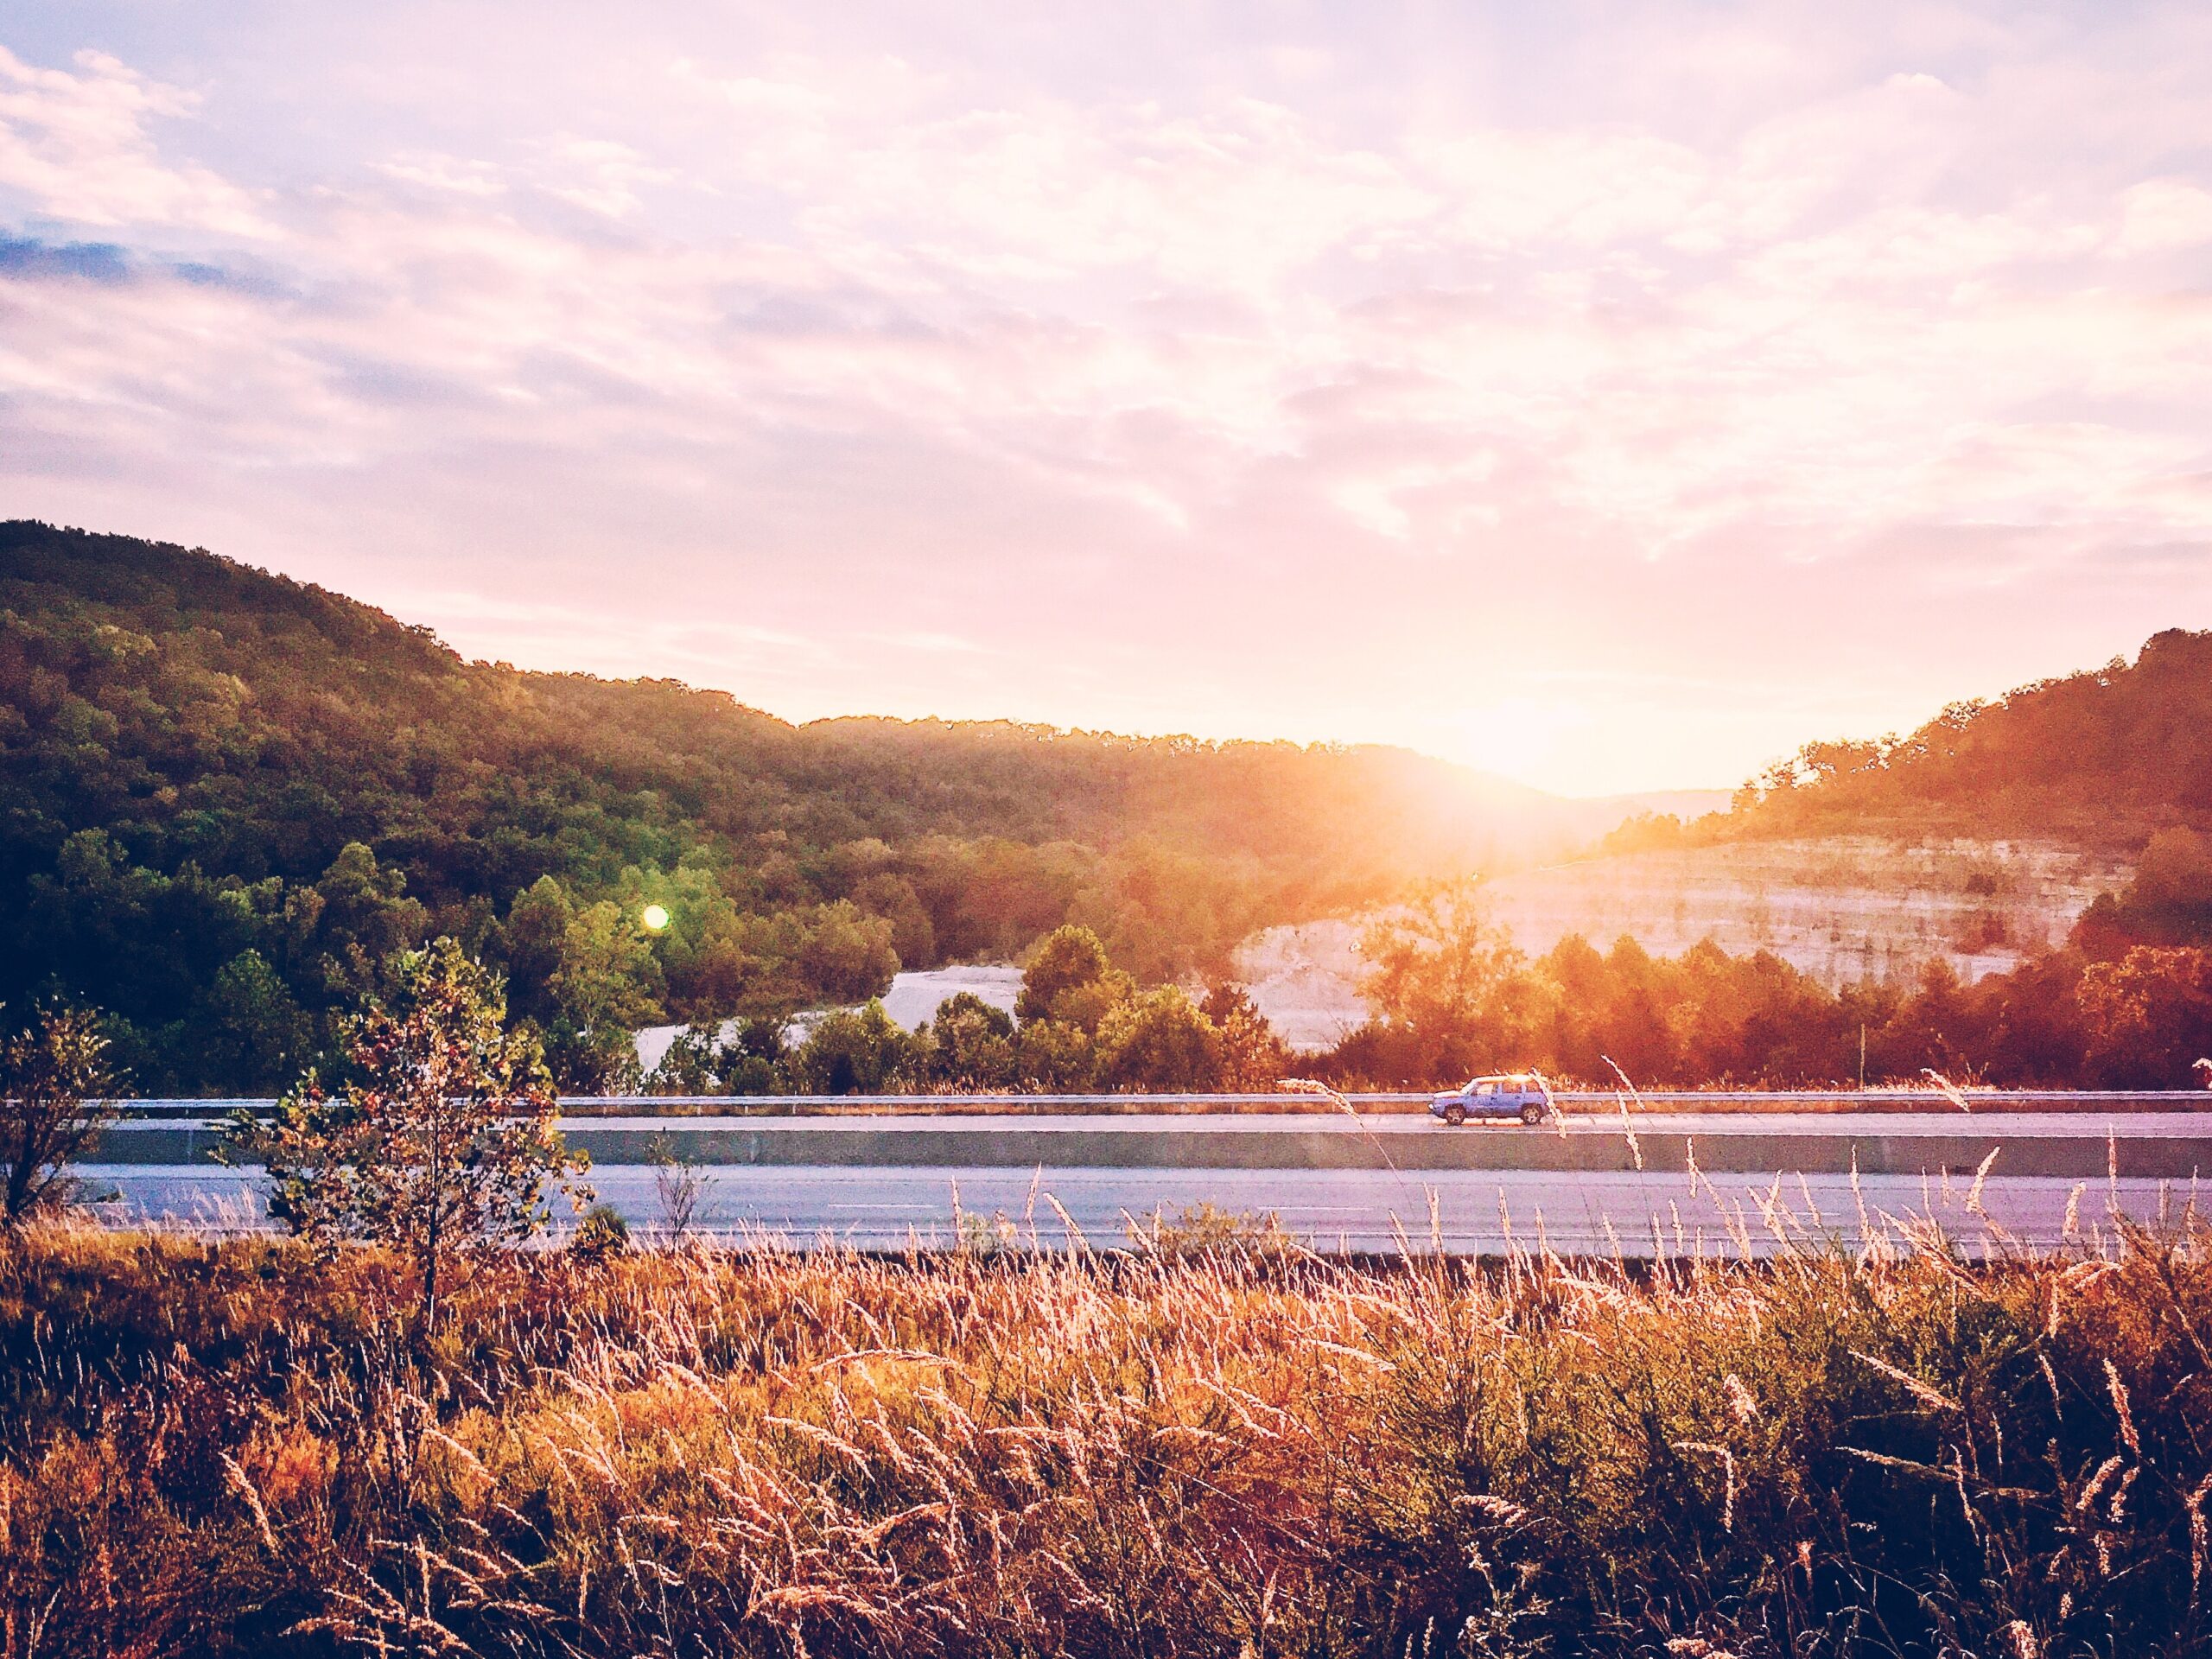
point(1216, 1446)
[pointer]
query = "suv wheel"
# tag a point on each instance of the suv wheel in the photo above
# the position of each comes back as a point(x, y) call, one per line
point(1532, 1113)
point(1455, 1116)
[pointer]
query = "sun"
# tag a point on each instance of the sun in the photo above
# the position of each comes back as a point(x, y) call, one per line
point(656, 917)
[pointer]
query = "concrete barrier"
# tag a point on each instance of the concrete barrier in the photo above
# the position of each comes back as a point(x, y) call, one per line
point(2132, 1146)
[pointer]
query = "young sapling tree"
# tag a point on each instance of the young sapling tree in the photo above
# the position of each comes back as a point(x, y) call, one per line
point(442, 1141)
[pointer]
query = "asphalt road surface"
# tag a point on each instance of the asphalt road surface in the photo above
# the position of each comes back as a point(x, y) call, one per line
point(1481, 1213)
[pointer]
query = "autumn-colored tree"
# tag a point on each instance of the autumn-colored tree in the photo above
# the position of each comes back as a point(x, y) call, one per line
point(1451, 983)
point(54, 1074)
point(2148, 1016)
point(441, 1142)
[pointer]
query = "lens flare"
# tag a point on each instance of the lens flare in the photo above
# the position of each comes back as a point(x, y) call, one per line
point(656, 917)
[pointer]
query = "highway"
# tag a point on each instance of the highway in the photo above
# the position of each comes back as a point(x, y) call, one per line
point(1664, 1183)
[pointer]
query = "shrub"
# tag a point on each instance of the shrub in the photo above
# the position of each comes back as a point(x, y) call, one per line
point(601, 1233)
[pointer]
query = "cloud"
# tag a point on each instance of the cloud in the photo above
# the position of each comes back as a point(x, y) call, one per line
point(98, 262)
point(2161, 214)
point(82, 147)
point(853, 372)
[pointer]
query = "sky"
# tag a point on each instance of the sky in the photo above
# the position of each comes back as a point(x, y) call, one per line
point(1612, 397)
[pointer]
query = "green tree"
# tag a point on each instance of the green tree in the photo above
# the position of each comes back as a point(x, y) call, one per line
point(753, 1058)
point(53, 1079)
point(608, 985)
point(1160, 1041)
point(848, 956)
point(253, 1031)
point(366, 917)
point(687, 1067)
point(536, 927)
point(442, 1142)
point(1070, 958)
point(1055, 1058)
point(973, 1045)
point(609, 979)
point(852, 1052)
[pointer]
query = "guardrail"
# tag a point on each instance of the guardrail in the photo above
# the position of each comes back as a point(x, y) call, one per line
point(1716, 1102)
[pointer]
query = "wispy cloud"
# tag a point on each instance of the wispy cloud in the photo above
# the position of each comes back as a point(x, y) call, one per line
point(1776, 374)
point(82, 147)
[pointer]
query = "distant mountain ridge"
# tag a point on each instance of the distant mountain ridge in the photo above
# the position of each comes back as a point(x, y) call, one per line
point(235, 673)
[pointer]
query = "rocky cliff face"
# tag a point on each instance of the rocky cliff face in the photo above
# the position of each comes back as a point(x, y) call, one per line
point(1841, 908)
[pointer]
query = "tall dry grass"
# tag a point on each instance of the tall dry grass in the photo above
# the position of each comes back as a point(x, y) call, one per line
point(1228, 1448)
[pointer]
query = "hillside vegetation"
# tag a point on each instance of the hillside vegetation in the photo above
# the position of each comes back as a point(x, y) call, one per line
point(228, 800)
point(226, 796)
point(2100, 759)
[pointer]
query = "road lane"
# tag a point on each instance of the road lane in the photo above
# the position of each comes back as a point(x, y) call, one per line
point(1476, 1211)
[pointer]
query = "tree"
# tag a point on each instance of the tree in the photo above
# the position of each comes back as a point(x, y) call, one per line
point(1070, 958)
point(2148, 1016)
point(53, 1078)
point(754, 1057)
point(1253, 1057)
point(1054, 1058)
point(253, 1031)
point(536, 928)
point(609, 984)
point(851, 1051)
point(609, 979)
point(847, 954)
point(972, 1044)
point(2167, 902)
point(1160, 1041)
point(913, 936)
point(442, 1142)
point(1451, 981)
point(688, 1066)
point(365, 915)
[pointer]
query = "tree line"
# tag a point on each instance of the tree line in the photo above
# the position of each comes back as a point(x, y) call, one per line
point(2103, 758)
point(1080, 1024)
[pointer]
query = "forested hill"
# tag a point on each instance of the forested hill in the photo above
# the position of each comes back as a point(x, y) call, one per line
point(2104, 757)
point(219, 784)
